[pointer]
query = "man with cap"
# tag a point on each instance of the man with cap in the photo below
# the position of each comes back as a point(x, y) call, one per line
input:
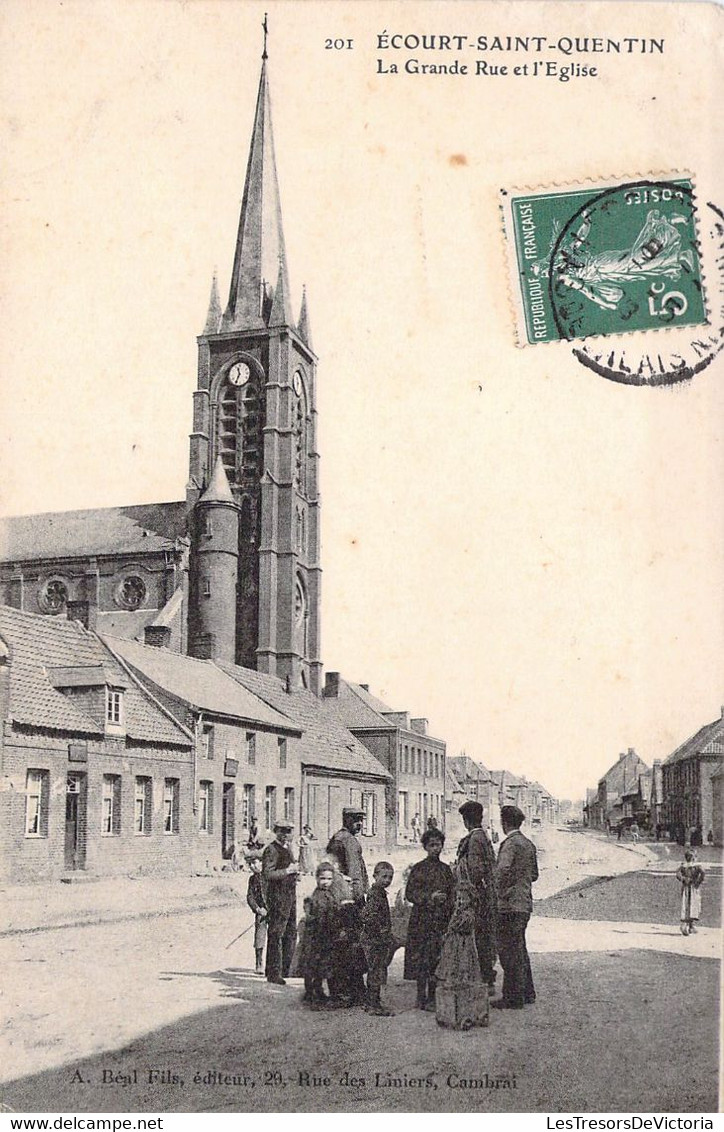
point(279, 874)
point(346, 851)
point(515, 872)
point(476, 858)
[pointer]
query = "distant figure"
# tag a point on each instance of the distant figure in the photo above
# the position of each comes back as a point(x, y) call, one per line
point(691, 877)
point(306, 853)
point(634, 832)
point(710, 837)
point(254, 841)
point(416, 826)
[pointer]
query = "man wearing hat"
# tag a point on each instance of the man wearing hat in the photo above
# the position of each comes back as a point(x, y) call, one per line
point(279, 873)
point(346, 851)
point(477, 857)
point(515, 872)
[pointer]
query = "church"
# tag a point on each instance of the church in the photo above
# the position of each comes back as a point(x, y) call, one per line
point(246, 539)
point(227, 582)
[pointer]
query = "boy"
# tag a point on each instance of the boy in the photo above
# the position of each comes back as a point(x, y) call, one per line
point(376, 937)
point(255, 900)
point(323, 937)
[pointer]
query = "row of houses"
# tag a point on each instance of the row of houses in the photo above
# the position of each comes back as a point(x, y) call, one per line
point(680, 795)
point(120, 756)
point(470, 779)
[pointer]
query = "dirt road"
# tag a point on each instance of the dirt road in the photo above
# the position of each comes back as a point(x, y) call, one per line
point(158, 1015)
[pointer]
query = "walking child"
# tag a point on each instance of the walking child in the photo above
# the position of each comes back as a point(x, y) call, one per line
point(431, 891)
point(255, 900)
point(691, 877)
point(376, 937)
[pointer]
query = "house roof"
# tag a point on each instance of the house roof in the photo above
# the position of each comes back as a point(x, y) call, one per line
point(102, 531)
point(451, 780)
point(202, 684)
point(466, 768)
point(325, 742)
point(52, 652)
point(356, 707)
point(708, 740)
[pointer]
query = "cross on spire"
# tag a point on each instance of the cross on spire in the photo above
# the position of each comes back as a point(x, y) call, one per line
point(266, 32)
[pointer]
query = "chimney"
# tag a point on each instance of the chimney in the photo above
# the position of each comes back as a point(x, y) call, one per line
point(419, 725)
point(157, 636)
point(622, 756)
point(84, 612)
point(331, 684)
point(631, 751)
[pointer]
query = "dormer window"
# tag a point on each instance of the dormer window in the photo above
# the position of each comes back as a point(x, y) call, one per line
point(114, 707)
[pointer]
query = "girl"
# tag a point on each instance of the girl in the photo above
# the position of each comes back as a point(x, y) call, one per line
point(431, 891)
point(691, 877)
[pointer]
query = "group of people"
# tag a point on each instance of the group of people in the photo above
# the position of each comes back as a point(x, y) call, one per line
point(461, 918)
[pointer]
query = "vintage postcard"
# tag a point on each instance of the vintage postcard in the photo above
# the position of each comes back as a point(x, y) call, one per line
point(361, 557)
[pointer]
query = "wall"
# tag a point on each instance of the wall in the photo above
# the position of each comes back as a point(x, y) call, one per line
point(26, 859)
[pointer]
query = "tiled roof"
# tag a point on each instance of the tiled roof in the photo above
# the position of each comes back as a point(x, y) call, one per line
point(466, 768)
point(106, 530)
point(708, 740)
point(451, 781)
point(201, 683)
point(45, 647)
point(354, 707)
point(325, 742)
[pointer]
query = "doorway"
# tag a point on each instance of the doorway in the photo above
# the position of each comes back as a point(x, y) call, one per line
point(228, 820)
point(75, 820)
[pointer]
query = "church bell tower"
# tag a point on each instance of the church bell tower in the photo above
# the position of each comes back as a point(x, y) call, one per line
point(255, 429)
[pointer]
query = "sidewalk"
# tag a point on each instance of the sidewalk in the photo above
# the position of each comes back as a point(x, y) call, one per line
point(54, 904)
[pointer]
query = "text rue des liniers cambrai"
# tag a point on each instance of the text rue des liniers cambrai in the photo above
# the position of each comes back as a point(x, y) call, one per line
point(562, 57)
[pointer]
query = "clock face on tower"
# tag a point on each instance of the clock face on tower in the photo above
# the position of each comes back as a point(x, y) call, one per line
point(239, 373)
point(297, 383)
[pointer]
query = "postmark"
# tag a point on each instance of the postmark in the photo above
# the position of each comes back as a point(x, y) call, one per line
point(605, 260)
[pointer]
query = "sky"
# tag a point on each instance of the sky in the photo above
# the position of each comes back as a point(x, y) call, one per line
point(521, 551)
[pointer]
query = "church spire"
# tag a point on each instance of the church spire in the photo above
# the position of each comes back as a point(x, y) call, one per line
point(303, 328)
point(213, 318)
point(260, 257)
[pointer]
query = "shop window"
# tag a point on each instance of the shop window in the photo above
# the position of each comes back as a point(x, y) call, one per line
point(37, 799)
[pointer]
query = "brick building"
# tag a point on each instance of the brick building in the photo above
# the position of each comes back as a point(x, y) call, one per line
point(414, 760)
point(94, 774)
point(689, 784)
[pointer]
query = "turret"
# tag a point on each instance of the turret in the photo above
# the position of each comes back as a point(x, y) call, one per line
point(214, 572)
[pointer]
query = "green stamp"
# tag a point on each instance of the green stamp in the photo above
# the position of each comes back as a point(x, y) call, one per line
point(605, 260)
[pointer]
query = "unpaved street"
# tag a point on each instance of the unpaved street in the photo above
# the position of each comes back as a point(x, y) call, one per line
point(159, 1014)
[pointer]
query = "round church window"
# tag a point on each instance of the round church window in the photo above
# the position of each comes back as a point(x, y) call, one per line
point(53, 596)
point(131, 592)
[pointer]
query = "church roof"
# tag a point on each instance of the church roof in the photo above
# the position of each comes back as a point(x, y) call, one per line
point(325, 744)
point(141, 529)
point(200, 683)
point(51, 652)
point(260, 259)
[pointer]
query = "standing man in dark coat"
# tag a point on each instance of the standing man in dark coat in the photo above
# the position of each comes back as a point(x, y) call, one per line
point(515, 872)
point(279, 872)
point(346, 851)
point(476, 857)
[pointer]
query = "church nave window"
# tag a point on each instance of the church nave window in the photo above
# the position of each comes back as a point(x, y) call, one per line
point(53, 596)
point(130, 592)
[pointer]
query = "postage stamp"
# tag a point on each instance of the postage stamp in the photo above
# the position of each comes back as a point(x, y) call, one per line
point(603, 260)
